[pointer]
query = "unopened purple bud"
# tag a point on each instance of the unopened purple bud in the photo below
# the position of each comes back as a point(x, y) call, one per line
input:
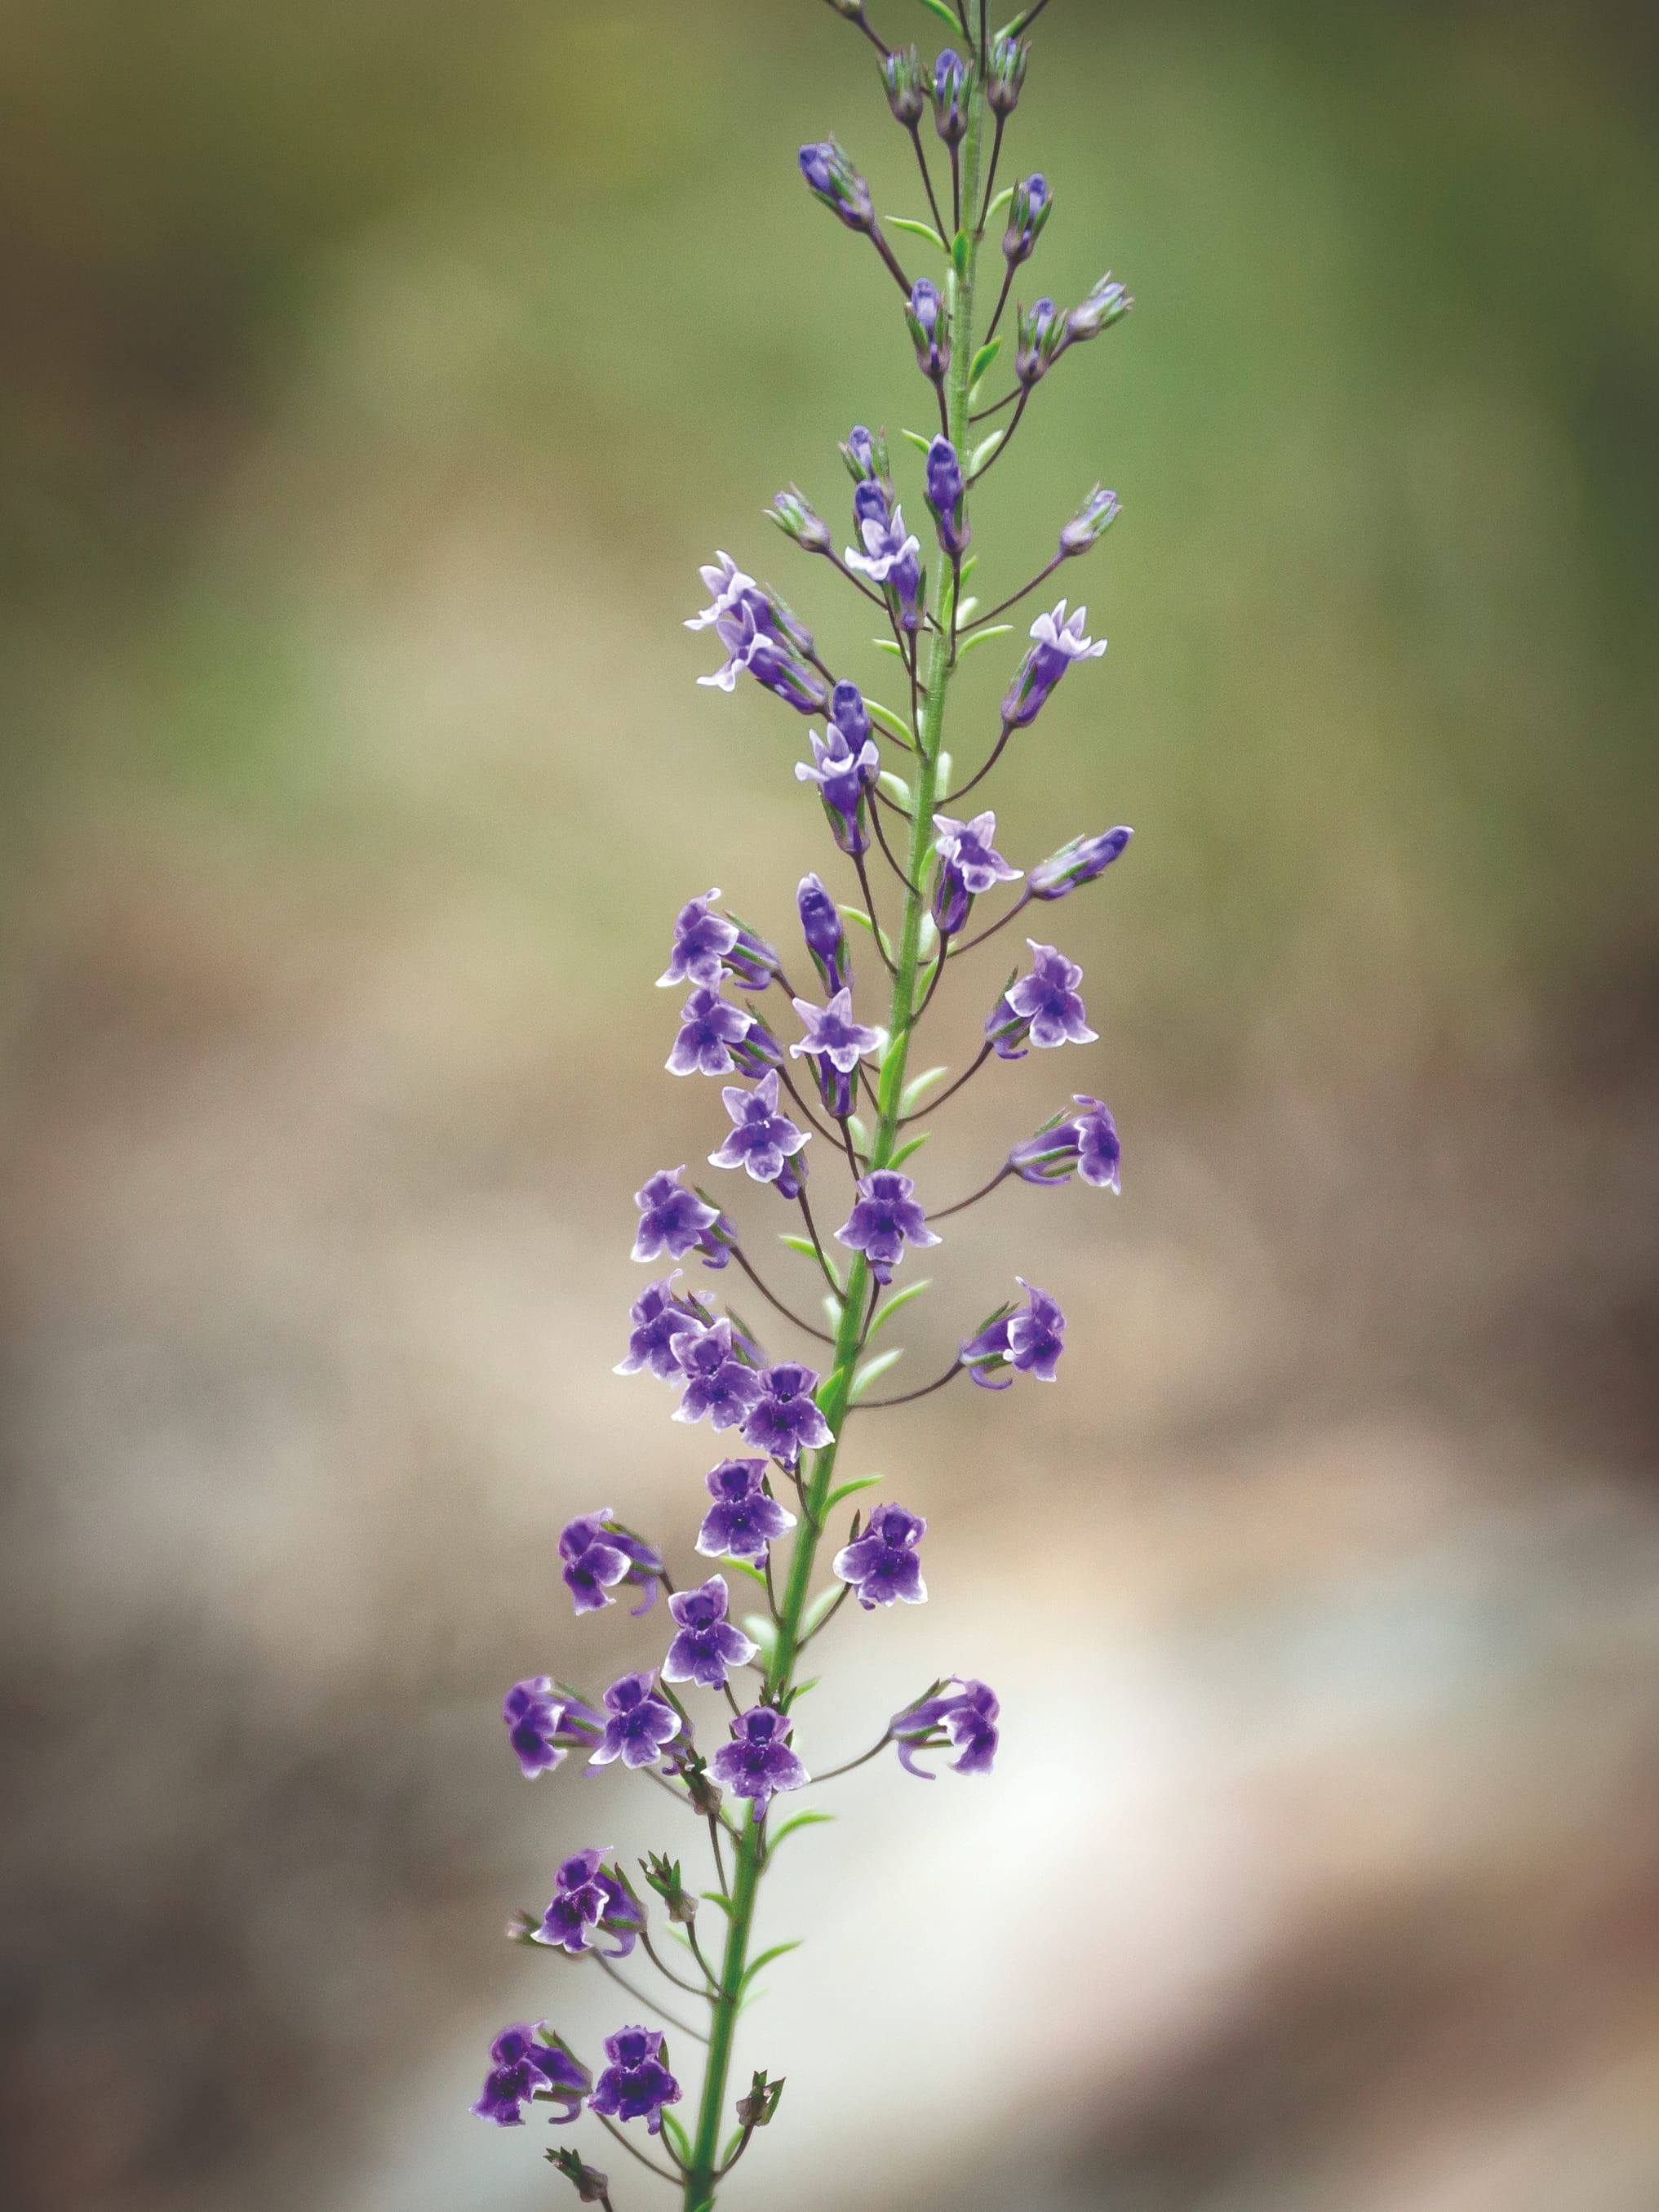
point(779, 670)
point(1006, 75)
point(1106, 304)
point(946, 492)
point(866, 456)
point(905, 81)
point(1086, 527)
point(849, 713)
point(1032, 204)
point(833, 179)
point(826, 939)
point(930, 328)
point(870, 504)
point(790, 511)
point(1041, 336)
point(949, 87)
point(1078, 863)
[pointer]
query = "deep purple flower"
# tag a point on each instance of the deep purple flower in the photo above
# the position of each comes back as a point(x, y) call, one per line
point(717, 1382)
point(709, 1027)
point(701, 940)
point(792, 1179)
point(965, 1718)
point(873, 502)
point(951, 75)
point(672, 1218)
point(1029, 1341)
point(1087, 1144)
point(758, 1762)
point(885, 1220)
point(947, 496)
point(743, 1519)
point(636, 2084)
point(1047, 1000)
point(1089, 524)
point(707, 1644)
point(969, 866)
point(586, 1902)
point(598, 1556)
point(1058, 642)
point(1078, 863)
point(639, 1727)
point(1042, 334)
point(762, 1138)
point(826, 938)
point(1031, 209)
point(786, 1421)
point(542, 1724)
point(760, 635)
point(849, 713)
point(930, 328)
point(843, 773)
point(521, 2066)
point(833, 179)
point(881, 1564)
point(658, 1317)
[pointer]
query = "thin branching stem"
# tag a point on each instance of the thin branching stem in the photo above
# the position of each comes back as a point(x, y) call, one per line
point(775, 1301)
point(818, 1246)
point(886, 253)
point(650, 2164)
point(789, 1081)
point(1014, 911)
point(881, 839)
point(684, 2026)
point(1025, 592)
point(880, 1405)
point(664, 1969)
point(984, 1054)
point(875, 920)
point(864, 1758)
point(973, 782)
point(996, 408)
point(991, 180)
point(1002, 301)
point(944, 1212)
point(927, 180)
point(990, 459)
point(846, 1592)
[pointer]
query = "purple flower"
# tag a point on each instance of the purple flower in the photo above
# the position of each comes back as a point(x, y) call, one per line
point(636, 2084)
point(1042, 336)
point(843, 773)
point(866, 458)
point(598, 1556)
point(717, 1382)
point(885, 1220)
point(930, 328)
point(891, 558)
point(1007, 1030)
point(951, 75)
point(946, 496)
point(832, 178)
point(658, 1317)
point(762, 1138)
point(1029, 1340)
point(728, 589)
point(701, 940)
point(1078, 863)
point(542, 1726)
point(707, 1644)
point(1047, 1000)
point(743, 1519)
point(709, 1027)
point(760, 634)
point(906, 84)
point(1032, 204)
point(1087, 525)
point(849, 713)
point(881, 1564)
point(758, 1762)
point(639, 1727)
point(797, 519)
point(521, 2067)
point(826, 939)
point(587, 1901)
point(786, 1421)
point(759, 1050)
point(672, 1218)
point(969, 866)
point(966, 1719)
point(832, 1035)
point(1087, 1144)
point(1059, 641)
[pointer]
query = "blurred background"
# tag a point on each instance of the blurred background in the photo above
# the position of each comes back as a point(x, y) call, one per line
point(376, 375)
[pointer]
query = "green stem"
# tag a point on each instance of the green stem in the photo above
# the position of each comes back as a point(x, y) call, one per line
point(835, 1396)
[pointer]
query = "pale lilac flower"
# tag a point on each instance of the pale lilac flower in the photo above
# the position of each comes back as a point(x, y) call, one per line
point(639, 1727)
point(832, 1035)
point(1077, 863)
point(658, 1317)
point(1058, 640)
point(762, 1138)
point(844, 772)
point(521, 2066)
point(1029, 1341)
point(717, 1382)
point(969, 866)
point(709, 1027)
point(542, 1724)
point(1047, 999)
point(636, 2084)
point(891, 556)
point(707, 1644)
point(1086, 1145)
point(786, 1421)
point(672, 1218)
point(742, 1520)
point(966, 1719)
point(758, 1762)
point(728, 588)
point(598, 1556)
point(701, 940)
point(588, 1902)
point(883, 1221)
point(881, 1564)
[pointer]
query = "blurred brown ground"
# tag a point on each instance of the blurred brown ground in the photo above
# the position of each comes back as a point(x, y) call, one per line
point(375, 378)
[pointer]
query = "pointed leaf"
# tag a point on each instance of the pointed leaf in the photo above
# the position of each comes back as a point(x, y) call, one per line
point(981, 637)
point(744, 1568)
point(821, 1605)
point(916, 1089)
point(959, 254)
point(964, 614)
point(802, 1244)
point(903, 1154)
point(847, 1490)
point(764, 1630)
point(890, 722)
point(945, 13)
point(873, 1371)
point(860, 1134)
point(800, 1820)
point(887, 645)
point(1003, 199)
point(982, 453)
point(678, 2140)
point(922, 445)
point(918, 230)
point(896, 788)
point(898, 1301)
point(982, 360)
point(713, 1897)
point(765, 1959)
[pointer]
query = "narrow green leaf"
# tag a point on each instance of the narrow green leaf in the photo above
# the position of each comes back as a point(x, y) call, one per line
point(890, 722)
point(982, 453)
point(679, 2141)
point(800, 1820)
point(929, 935)
point(920, 230)
point(713, 1897)
point(922, 444)
point(981, 637)
point(847, 1489)
point(900, 1299)
point(946, 769)
point(860, 1134)
point(905, 1151)
point(802, 1244)
point(744, 1568)
point(982, 360)
point(764, 1630)
point(874, 1369)
point(964, 614)
point(857, 914)
point(765, 1959)
point(959, 255)
point(915, 1091)
point(821, 1605)
point(887, 645)
point(1002, 200)
point(968, 567)
point(896, 788)
point(945, 13)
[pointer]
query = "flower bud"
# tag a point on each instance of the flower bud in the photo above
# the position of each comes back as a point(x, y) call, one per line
point(591, 2185)
point(1031, 206)
point(1107, 303)
point(663, 1876)
point(826, 938)
point(1007, 1031)
point(1041, 334)
point(906, 83)
point(755, 2110)
point(866, 456)
point(832, 178)
point(1007, 74)
point(951, 77)
point(1089, 524)
point(946, 493)
point(849, 713)
point(790, 511)
point(870, 504)
point(1078, 863)
point(930, 328)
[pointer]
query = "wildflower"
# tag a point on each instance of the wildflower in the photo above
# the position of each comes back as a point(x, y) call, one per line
point(758, 1762)
point(849, 713)
point(949, 87)
point(891, 558)
point(742, 1520)
point(709, 1027)
point(762, 1138)
point(881, 1564)
point(906, 85)
point(1032, 204)
point(636, 2084)
point(1047, 999)
point(1028, 1341)
point(946, 494)
point(1039, 336)
point(843, 774)
point(522, 2067)
point(639, 1727)
point(831, 177)
point(966, 1719)
point(1058, 640)
point(717, 1382)
point(826, 939)
point(707, 1644)
point(866, 456)
point(836, 1042)
point(592, 2187)
point(701, 940)
point(672, 1219)
point(786, 1421)
point(761, 636)
point(598, 1556)
point(885, 1218)
point(658, 1317)
point(728, 589)
point(1086, 1145)
point(542, 1726)
point(930, 328)
point(587, 1901)
point(969, 866)
point(1089, 523)
point(1078, 863)
point(1007, 74)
